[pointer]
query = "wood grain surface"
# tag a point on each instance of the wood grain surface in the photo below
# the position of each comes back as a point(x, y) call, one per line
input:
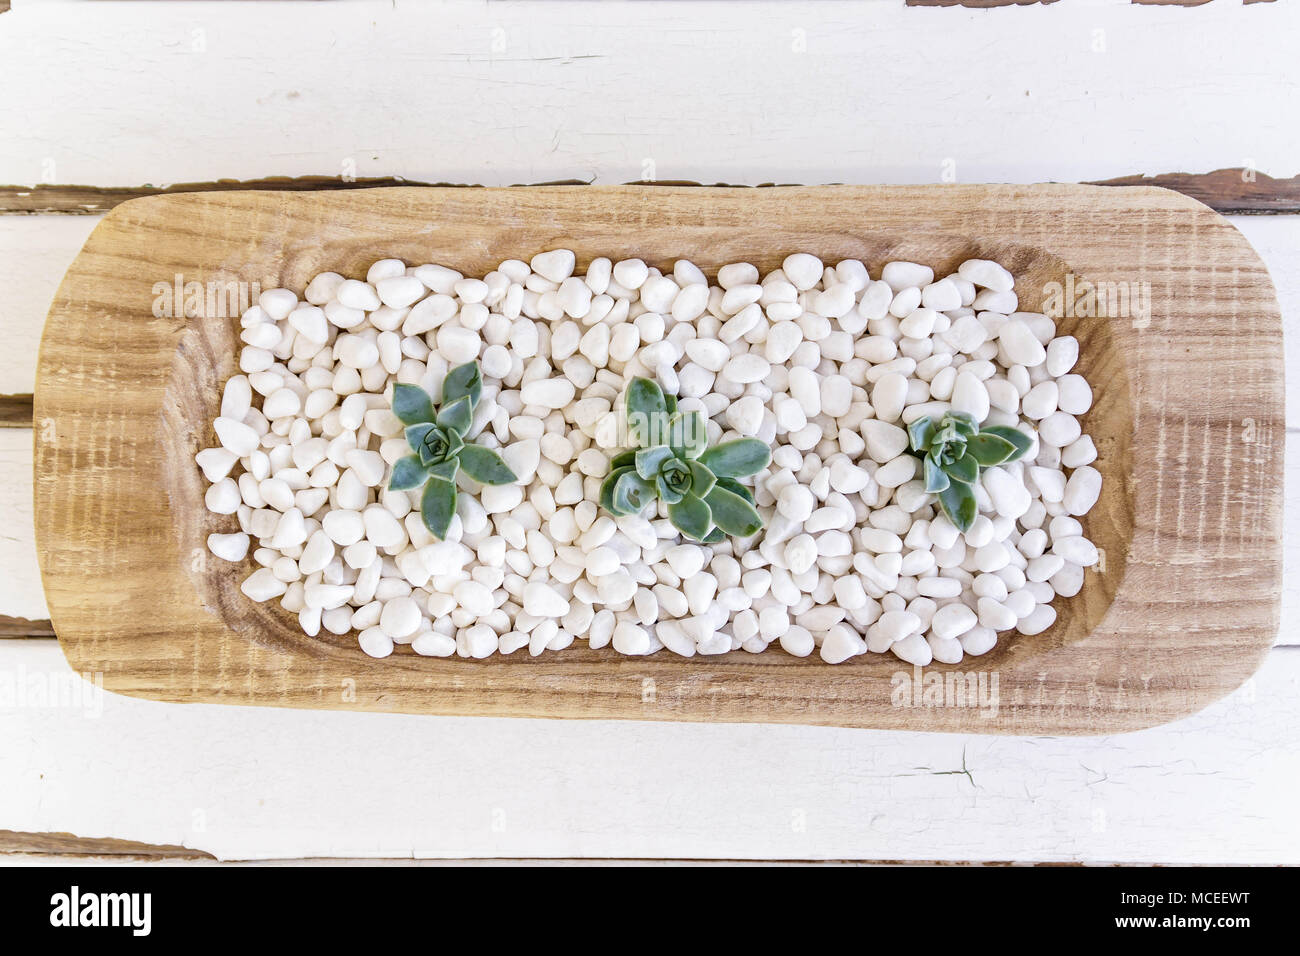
point(1188, 418)
point(1235, 191)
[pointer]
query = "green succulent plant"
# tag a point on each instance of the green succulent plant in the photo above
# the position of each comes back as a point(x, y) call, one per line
point(671, 463)
point(953, 450)
point(438, 440)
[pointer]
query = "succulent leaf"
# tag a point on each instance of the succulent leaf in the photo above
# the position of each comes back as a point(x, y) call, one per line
point(647, 412)
point(454, 444)
point(737, 459)
point(438, 445)
point(463, 381)
point(485, 466)
point(415, 435)
point(935, 480)
point(964, 422)
point(408, 472)
point(732, 485)
point(920, 432)
point(958, 503)
point(632, 493)
point(702, 480)
point(1019, 439)
point(945, 434)
point(607, 487)
point(677, 475)
point(650, 460)
point(457, 415)
point(438, 506)
point(645, 397)
point(989, 449)
point(687, 435)
point(965, 469)
point(445, 469)
point(411, 404)
point(692, 517)
point(732, 513)
point(667, 492)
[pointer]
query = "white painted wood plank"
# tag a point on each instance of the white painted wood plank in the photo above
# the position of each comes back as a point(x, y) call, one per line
point(21, 594)
point(503, 93)
point(262, 783)
point(35, 251)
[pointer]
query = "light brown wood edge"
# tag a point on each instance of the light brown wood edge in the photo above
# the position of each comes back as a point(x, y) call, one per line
point(11, 627)
point(68, 844)
point(1230, 192)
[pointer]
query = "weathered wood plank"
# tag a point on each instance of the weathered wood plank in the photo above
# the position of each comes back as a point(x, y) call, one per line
point(67, 844)
point(21, 627)
point(1064, 92)
point(15, 411)
point(34, 253)
point(464, 788)
point(23, 600)
point(1229, 191)
point(1239, 191)
point(45, 199)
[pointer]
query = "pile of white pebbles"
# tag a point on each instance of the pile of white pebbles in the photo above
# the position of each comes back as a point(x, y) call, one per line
point(822, 362)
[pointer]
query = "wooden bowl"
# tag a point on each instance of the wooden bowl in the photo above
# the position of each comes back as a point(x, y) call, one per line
point(1188, 421)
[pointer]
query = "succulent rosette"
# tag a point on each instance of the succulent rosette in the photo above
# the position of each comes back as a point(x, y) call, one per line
point(953, 449)
point(437, 438)
point(672, 463)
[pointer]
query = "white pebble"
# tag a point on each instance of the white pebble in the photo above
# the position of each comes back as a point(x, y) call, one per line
point(1021, 345)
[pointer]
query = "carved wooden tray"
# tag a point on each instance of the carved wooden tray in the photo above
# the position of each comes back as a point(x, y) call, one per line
point(1188, 420)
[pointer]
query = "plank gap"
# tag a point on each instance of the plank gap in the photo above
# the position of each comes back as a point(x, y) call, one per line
point(15, 411)
point(22, 627)
point(980, 4)
point(1233, 191)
